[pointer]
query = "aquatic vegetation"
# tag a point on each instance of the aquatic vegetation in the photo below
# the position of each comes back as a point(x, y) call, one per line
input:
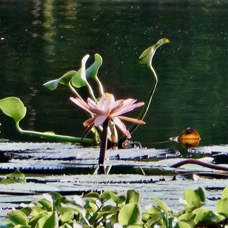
point(100, 108)
point(110, 209)
point(74, 80)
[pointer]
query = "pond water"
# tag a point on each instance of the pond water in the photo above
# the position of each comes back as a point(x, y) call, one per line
point(42, 39)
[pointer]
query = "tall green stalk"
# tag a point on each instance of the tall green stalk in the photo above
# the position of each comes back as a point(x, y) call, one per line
point(146, 59)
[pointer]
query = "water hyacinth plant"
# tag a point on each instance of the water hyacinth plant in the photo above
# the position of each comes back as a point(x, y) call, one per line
point(110, 209)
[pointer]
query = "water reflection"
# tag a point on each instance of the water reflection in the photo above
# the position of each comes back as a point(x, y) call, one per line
point(41, 40)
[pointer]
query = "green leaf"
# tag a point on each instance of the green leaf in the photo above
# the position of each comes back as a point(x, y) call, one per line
point(195, 198)
point(182, 224)
point(17, 217)
point(52, 196)
point(66, 226)
point(222, 207)
point(77, 80)
point(92, 195)
point(117, 199)
point(147, 56)
point(201, 193)
point(49, 220)
point(153, 218)
point(161, 205)
point(130, 214)
point(92, 71)
point(107, 195)
point(200, 214)
point(16, 177)
point(225, 193)
point(132, 196)
point(67, 216)
point(46, 204)
point(64, 80)
point(14, 108)
point(64, 204)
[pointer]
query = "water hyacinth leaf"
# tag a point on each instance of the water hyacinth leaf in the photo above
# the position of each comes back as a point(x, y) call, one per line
point(107, 196)
point(132, 196)
point(147, 56)
point(52, 196)
point(92, 71)
point(195, 198)
point(130, 214)
point(161, 205)
point(222, 207)
point(66, 204)
point(16, 174)
point(16, 177)
point(64, 80)
point(201, 193)
point(182, 224)
point(48, 220)
point(117, 199)
point(201, 214)
point(47, 205)
point(92, 195)
point(79, 79)
point(67, 216)
point(68, 226)
point(14, 108)
point(225, 193)
point(17, 217)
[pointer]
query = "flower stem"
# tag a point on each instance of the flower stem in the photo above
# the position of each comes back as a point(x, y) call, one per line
point(103, 147)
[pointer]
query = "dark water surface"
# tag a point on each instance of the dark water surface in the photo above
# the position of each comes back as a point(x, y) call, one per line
point(41, 40)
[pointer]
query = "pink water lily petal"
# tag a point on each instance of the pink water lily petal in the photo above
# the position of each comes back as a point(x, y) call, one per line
point(133, 120)
point(100, 120)
point(81, 103)
point(105, 102)
point(94, 108)
point(107, 107)
point(121, 126)
point(89, 122)
point(128, 107)
point(114, 107)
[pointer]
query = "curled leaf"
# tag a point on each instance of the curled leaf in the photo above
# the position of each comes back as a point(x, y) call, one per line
point(146, 57)
point(64, 80)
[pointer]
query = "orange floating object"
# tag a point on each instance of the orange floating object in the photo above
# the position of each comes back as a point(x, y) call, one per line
point(189, 138)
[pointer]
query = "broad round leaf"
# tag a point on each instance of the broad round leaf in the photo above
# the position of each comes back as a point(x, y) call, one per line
point(13, 107)
point(18, 217)
point(222, 207)
point(132, 196)
point(130, 214)
point(161, 205)
point(225, 193)
point(48, 220)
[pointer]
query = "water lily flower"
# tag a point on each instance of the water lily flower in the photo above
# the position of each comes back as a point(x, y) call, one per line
point(107, 108)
